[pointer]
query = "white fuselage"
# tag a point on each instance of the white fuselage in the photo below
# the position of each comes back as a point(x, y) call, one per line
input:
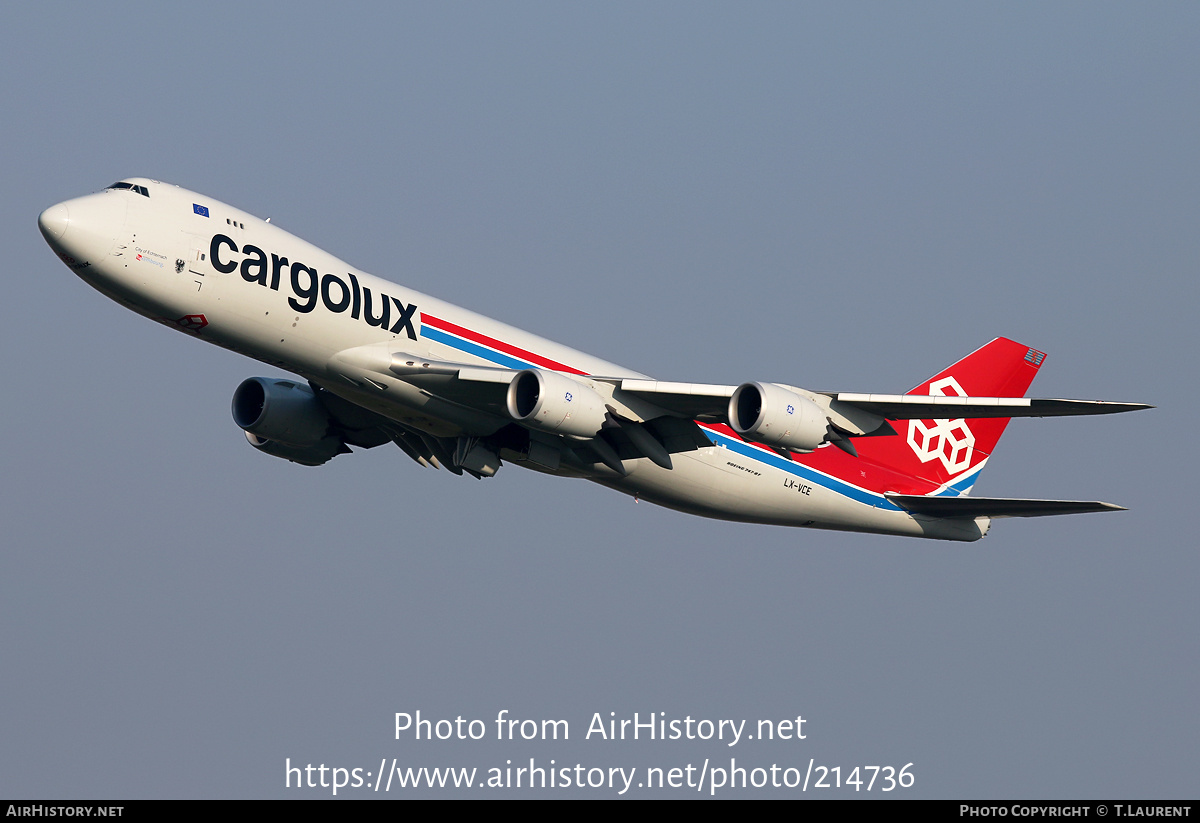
point(211, 270)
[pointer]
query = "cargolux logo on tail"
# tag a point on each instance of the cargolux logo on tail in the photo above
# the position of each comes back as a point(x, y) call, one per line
point(950, 441)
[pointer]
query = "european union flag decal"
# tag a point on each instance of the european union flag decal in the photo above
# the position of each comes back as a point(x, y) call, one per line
point(200, 210)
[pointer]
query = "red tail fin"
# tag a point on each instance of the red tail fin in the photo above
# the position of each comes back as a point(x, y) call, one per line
point(950, 453)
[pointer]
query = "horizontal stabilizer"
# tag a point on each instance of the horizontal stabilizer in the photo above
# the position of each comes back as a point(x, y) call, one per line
point(995, 506)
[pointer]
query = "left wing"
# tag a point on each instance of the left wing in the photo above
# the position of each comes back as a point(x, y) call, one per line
point(927, 407)
point(703, 401)
point(610, 419)
point(484, 387)
point(558, 417)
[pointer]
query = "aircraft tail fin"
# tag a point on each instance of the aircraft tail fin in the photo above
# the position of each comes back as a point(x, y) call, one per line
point(949, 453)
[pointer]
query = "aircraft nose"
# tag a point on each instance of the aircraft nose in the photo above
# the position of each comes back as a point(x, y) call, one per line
point(54, 221)
point(86, 228)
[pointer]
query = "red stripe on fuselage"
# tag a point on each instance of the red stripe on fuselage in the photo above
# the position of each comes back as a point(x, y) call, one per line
point(498, 345)
point(865, 474)
point(857, 471)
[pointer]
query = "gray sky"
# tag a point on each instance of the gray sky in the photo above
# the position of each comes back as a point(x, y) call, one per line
point(840, 197)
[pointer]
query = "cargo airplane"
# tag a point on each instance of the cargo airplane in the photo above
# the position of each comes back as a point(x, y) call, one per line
point(379, 363)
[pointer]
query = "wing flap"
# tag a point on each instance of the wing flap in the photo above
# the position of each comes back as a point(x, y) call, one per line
point(695, 401)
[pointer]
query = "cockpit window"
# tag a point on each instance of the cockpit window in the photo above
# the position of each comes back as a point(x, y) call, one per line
point(142, 190)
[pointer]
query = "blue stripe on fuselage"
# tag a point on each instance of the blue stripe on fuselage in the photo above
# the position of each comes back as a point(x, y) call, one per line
point(963, 484)
point(743, 448)
point(738, 446)
point(474, 348)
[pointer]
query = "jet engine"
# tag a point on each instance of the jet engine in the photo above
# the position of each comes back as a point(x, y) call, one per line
point(283, 418)
point(315, 455)
point(767, 413)
point(551, 402)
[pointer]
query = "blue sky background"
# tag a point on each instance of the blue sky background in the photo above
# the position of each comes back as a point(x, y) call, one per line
point(843, 196)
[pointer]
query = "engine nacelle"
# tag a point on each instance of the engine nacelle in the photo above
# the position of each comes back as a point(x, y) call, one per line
point(285, 419)
point(551, 402)
point(314, 455)
point(767, 413)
